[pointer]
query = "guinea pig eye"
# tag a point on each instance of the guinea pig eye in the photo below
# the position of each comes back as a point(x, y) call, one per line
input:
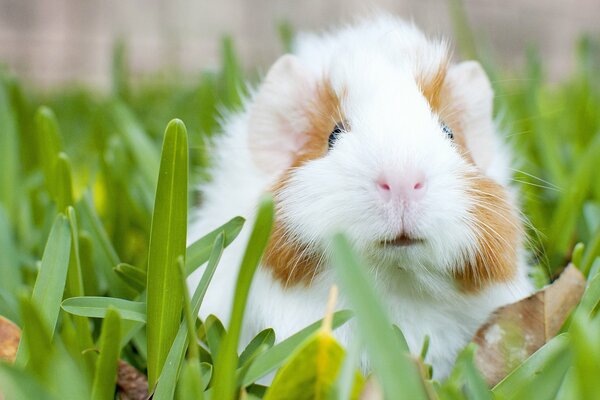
point(447, 131)
point(335, 133)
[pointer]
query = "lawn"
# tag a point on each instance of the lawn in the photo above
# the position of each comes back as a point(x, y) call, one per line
point(93, 197)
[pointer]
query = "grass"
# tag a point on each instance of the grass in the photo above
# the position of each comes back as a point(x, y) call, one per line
point(87, 198)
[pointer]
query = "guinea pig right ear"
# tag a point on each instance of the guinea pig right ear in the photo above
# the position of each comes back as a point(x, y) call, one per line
point(278, 117)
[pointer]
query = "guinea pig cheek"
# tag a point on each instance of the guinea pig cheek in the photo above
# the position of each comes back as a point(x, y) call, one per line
point(293, 254)
point(496, 235)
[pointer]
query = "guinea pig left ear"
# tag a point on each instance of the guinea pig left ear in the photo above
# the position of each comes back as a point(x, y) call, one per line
point(277, 116)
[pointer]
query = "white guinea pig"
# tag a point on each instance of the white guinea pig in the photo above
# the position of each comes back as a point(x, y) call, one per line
point(372, 131)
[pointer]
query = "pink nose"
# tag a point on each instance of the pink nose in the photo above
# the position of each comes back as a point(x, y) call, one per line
point(405, 186)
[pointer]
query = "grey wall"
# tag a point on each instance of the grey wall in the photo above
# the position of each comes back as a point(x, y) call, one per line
point(53, 41)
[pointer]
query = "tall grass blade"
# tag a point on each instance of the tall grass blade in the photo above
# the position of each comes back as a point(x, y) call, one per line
point(105, 255)
point(50, 283)
point(103, 387)
point(165, 388)
point(140, 145)
point(226, 363)
point(48, 145)
point(133, 276)
point(167, 243)
point(64, 182)
point(199, 251)
point(550, 361)
point(9, 151)
point(397, 373)
point(9, 263)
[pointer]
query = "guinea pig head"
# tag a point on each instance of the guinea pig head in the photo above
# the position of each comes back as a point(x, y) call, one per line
point(404, 159)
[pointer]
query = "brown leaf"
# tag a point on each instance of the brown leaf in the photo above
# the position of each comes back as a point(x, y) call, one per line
point(133, 385)
point(10, 335)
point(516, 331)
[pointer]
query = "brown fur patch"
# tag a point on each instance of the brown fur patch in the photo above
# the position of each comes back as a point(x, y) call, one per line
point(499, 231)
point(432, 84)
point(293, 263)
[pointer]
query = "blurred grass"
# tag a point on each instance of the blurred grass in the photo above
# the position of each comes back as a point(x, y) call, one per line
point(77, 196)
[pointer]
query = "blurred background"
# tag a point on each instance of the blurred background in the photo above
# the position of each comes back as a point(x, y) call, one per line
point(50, 42)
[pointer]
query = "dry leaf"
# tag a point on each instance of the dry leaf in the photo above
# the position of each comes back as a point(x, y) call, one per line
point(133, 385)
point(10, 335)
point(514, 332)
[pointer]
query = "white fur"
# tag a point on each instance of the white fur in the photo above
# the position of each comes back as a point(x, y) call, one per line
point(392, 129)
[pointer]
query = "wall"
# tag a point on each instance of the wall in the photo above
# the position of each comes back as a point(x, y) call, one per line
point(53, 41)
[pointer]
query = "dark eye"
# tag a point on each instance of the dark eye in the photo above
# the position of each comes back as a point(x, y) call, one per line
point(447, 131)
point(335, 133)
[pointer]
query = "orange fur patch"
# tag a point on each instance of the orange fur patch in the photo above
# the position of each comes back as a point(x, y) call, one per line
point(432, 84)
point(293, 263)
point(499, 231)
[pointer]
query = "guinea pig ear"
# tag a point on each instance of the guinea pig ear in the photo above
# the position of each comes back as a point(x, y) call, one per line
point(469, 93)
point(277, 118)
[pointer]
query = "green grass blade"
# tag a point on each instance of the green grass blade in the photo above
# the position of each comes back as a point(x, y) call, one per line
point(475, 386)
point(120, 71)
point(103, 387)
point(213, 261)
point(74, 287)
point(88, 272)
point(50, 283)
point(286, 35)
point(273, 358)
point(167, 243)
point(552, 360)
point(199, 251)
point(462, 30)
point(232, 82)
point(215, 332)
point(568, 209)
point(9, 307)
point(97, 307)
point(48, 145)
point(140, 145)
point(9, 151)
point(264, 338)
point(165, 388)
point(18, 384)
point(37, 339)
point(226, 363)
point(133, 276)
point(586, 354)
point(104, 253)
point(190, 318)
point(9, 264)
point(64, 183)
point(592, 251)
point(398, 375)
point(590, 301)
point(190, 385)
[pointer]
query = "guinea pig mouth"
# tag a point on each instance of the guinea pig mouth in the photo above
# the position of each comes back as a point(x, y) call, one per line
point(402, 240)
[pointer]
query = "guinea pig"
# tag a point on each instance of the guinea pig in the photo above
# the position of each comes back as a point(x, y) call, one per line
point(370, 130)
